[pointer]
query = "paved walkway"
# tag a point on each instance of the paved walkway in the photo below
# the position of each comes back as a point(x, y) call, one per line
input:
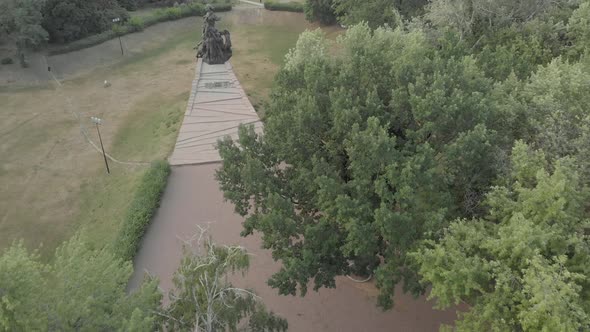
point(216, 108)
point(259, 4)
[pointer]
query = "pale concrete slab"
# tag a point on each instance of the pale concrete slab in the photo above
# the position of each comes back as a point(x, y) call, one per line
point(257, 3)
point(216, 108)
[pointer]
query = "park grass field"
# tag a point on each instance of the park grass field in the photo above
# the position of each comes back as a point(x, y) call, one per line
point(53, 180)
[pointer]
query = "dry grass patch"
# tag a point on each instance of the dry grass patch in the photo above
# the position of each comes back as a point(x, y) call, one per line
point(53, 181)
point(52, 178)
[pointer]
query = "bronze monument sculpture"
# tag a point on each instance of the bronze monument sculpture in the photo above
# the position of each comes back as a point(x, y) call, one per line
point(215, 47)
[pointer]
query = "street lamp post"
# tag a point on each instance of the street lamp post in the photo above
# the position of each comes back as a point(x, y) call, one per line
point(98, 122)
point(117, 20)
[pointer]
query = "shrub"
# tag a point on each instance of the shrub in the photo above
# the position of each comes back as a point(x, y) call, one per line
point(173, 13)
point(145, 203)
point(222, 7)
point(287, 7)
point(135, 24)
point(6, 61)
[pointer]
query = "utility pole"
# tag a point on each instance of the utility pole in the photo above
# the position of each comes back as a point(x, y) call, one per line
point(98, 122)
point(117, 20)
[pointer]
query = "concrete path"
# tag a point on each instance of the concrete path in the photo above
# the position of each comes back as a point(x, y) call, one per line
point(216, 108)
point(192, 197)
point(259, 4)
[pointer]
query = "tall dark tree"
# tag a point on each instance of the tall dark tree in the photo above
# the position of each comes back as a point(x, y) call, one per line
point(20, 21)
point(320, 10)
point(81, 290)
point(363, 155)
point(68, 20)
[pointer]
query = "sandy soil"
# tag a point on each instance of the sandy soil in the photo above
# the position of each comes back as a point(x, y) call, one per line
point(192, 198)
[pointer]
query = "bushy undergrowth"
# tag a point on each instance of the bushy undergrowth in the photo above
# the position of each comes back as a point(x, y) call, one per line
point(6, 61)
point(286, 7)
point(136, 24)
point(145, 203)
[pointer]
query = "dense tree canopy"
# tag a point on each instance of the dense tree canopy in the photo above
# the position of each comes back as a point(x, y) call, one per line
point(378, 12)
point(68, 20)
point(82, 289)
point(20, 20)
point(524, 266)
point(509, 37)
point(354, 166)
point(474, 16)
point(373, 156)
point(578, 28)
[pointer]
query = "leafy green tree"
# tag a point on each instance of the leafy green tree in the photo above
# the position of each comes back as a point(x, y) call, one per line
point(509, 37)
point(551, 109)
point(377, 12)
point(475, 16)
point(82, 289)
point(320, 10)
point(524, 266)
point(521, 49)
point(90, 290)
point(68, 20)
point(364, 154)
point(578, 29)
point(21, 20)
point(557, 97)
point(204, 300)
point(21, 278)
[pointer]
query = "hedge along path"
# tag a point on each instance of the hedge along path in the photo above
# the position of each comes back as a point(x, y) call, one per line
point(291, 6)
point(144, 205)
point(83, 130)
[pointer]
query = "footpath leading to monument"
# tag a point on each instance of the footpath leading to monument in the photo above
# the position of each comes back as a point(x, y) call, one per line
point(216, 108)
point(254, 3)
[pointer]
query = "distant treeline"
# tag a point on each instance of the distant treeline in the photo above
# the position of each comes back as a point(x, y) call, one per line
point(32, 23)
